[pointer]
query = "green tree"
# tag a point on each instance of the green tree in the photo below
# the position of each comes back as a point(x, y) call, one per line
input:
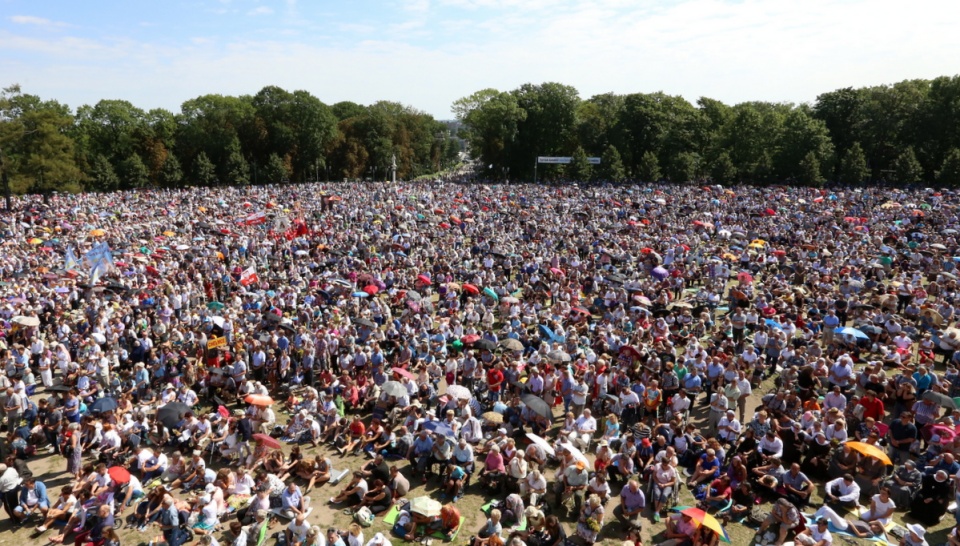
point(236, 168)
point(683, 167)
point(102, 175)
point(949, 174)
point(722, 169)
point(491, 121)
point(906, 169)
point(809, 171)
point(133, 172)
point(580, 168)
point(204, 171)
point(611, 166)
point(276, 170)
point(649, 167)
point(171, 174)
point(853, 168)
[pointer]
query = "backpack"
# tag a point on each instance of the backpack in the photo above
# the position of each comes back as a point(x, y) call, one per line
point(364, 517)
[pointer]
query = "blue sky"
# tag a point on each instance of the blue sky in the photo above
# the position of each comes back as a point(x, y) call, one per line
point(428, 53)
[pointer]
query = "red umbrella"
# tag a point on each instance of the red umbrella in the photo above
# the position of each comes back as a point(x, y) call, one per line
point(119, 474)
point(153, 271)
point(438, 211)
point(646, 250)
point(770, 212)
point(744, 277)
point(371, 289)
point(630, 350)
point(456, 220)
point(444, 225)
point(580, 310)
point(402, 373)
point(557, 271)
point(472, 338)
point(471, 289)
point(424, 279)
point(266, 440)
point(258, 400)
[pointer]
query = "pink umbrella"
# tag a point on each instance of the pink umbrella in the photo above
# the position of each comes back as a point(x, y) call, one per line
point(557, 271)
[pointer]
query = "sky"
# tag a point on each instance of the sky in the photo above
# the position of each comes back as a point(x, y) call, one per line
point(428, 53)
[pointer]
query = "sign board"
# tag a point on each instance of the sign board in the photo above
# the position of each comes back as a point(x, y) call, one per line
point(554, 160)
point(216, 342)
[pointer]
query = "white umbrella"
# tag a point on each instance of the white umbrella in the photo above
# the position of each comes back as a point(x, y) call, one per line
point(542, 443)
point(459, 392)
point(577, 454)
point(26, 321)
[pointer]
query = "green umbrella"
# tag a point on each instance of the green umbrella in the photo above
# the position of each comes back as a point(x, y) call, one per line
point(215, 306)
point(489, 291)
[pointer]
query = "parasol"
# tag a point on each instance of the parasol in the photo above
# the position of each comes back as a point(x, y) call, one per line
point(542, 443)
point(394, 388)
point(459, 392)
point(869, 450)
point(258, 400)
point(511, 344)
point(493, 417)
point(425, 506)
point(537, 405)
point(267, 440)
point(171, 414)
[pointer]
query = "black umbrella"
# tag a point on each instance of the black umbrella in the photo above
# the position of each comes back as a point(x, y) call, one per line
point(365, 322)
point(485, 344)
point(941, 399)
point(100, 405)
point(59, 388)
point(172, 413)
point(537, 405)
point(414, 295)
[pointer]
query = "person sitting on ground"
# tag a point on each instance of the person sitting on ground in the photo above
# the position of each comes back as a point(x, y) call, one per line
point(859, 528)
point(354, 491)
point(785, 516)
point(707, 469)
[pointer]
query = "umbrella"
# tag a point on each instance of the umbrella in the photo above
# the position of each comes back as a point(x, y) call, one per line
point(401, 372)
point(172, 413)
point(425, 506)
point(659, 273)
point(511, 344)
point(579, 310)
point(577, 454)
point(267, 440)
point(941, 399)
point(97, 233)
point(394, 388)
point(774, 324)
point(630, 350)
point(371, 289)
point(485, 345)
point(119, 474)
point(537, 405)
point(365, 322)
point(510, 299)
point(546, 331)
point(413, 295)
point(542, 443)
point(869, 450)
point(438, 427)
point(360, 294)
point(493, 417)
point(852, 332)
point(470, 339)
point(424, 279)
point(215, 306)
point(26, 321)
point(745, 277)
point(558, 272)
point(459, 392)
point(558, 356)
point(642, 300)
point(471, 289)
point(258, 400)
point(100, 405)
point(490, 292)
point(707, 521)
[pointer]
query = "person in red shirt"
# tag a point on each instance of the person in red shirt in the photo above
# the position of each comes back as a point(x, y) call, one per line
point(718, 496)
point(872, 406)
point(495, 381)
point(357, 430)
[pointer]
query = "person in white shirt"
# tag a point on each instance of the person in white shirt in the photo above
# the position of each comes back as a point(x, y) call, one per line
point(585, 427)
point(296, 532)
point(535, 485)
point(834, 399)
point(815, 535)
point(843, 491)
point(771, 445)
point(729, 427)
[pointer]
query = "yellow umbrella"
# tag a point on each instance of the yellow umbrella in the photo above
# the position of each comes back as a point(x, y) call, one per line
point(35, 241)
point(97, 233)
point(707, 521)
point(760, 242)
point(869, 450)
point(754, 245)
point(169, 233)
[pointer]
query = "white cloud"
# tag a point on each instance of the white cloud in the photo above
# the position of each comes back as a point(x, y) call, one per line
point(262, 10)
point(37, 21)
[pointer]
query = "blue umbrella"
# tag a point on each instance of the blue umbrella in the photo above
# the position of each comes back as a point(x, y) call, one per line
point(774, 324)
point(659, 273)
point(360, 294)
point(546, 331)
point(101, 405)
point(439, 428)
point(851, 332)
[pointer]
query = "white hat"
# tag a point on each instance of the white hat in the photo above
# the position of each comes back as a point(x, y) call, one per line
point(916, 529)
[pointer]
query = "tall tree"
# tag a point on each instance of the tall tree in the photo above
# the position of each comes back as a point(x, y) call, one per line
point(949, 174)
point(491, 121)
point(102, 175)
point(236, 168)
point(649, 168)
point(133, 172)
point(853, 168)
point(171, 174)
point(204, 171)
point(276, 170)
point(580, 168)
point(722, 169)
point(808, 172)
point(906, 169)
point(611, 166)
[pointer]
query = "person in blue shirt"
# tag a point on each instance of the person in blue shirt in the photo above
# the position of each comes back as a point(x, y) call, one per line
point(33, 498)
point(454, 484)
point(692, 384)
point(420, 451)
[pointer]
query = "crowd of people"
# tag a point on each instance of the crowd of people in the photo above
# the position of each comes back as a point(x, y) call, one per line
point(557, 349)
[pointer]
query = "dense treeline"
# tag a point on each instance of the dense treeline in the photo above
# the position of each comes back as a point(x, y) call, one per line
point(269, 137)
point(904, 133)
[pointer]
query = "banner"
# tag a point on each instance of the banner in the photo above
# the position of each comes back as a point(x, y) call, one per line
point(256, 218)
point(249, 276)
point(556, 160)
point(99, 252)
point(216, 342)
point(70, 260)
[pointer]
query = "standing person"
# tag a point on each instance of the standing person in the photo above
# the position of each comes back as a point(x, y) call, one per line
point(72, 449)
point(10, 482)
